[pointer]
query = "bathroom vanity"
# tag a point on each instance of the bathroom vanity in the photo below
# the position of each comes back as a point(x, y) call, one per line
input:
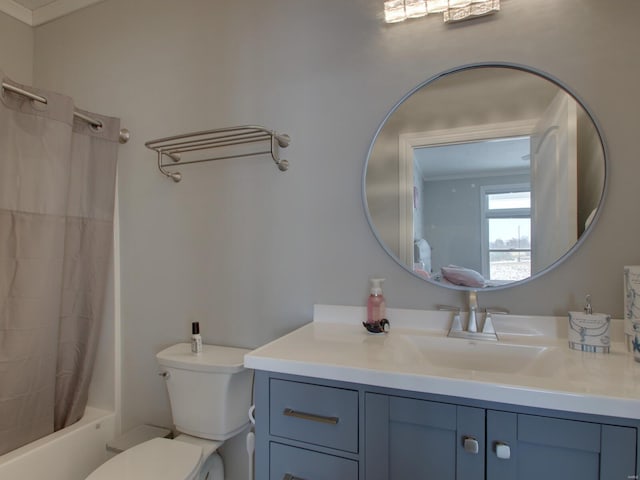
point(334, 402)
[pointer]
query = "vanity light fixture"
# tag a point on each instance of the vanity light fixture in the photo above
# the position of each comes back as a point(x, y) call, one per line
point(394, 11)
point(453, 10)
point(415, 8)
point(437, 6)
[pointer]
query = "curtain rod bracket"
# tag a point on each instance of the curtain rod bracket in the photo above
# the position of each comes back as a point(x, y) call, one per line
point(124, 136)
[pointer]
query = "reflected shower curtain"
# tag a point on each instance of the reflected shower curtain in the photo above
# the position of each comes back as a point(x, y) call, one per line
point(57, 187)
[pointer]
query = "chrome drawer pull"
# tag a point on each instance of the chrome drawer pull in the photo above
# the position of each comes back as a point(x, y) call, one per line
point(288, 412)
point(288, 476)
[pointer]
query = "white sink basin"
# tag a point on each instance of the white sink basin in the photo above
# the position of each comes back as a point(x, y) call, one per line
point(487, 356)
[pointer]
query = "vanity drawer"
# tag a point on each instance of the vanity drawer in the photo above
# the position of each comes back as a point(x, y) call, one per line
point(319, 415)
point(291, 463)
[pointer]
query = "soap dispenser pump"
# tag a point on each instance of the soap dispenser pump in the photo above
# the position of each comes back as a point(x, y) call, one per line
point(588, 309)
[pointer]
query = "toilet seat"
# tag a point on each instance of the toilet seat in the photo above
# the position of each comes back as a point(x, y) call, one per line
point(157, 459)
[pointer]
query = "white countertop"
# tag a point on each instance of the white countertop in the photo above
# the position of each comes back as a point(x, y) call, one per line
point(335, 346)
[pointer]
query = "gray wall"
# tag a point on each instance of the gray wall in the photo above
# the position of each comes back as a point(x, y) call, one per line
point(247, 250)
point(16, 49)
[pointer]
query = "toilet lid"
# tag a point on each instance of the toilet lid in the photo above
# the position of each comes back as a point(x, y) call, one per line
point(157, 459)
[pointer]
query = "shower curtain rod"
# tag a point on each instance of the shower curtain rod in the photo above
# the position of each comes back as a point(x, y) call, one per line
point(124, 133)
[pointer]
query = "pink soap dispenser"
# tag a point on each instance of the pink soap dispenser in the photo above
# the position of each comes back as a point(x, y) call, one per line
point(376, 309)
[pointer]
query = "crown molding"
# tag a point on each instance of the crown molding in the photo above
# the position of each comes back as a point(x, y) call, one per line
point(16, 10)
point(44, 14)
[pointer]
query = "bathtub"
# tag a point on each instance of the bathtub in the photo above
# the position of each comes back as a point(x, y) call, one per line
point(69, 454)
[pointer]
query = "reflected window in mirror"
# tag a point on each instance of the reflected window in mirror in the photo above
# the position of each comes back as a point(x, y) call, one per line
point(506, 238)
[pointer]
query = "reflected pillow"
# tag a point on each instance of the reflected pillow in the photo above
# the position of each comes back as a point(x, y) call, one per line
point(463, 276)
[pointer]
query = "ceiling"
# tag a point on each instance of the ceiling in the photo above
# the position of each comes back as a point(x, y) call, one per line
point(37, 12)
point(500, 156)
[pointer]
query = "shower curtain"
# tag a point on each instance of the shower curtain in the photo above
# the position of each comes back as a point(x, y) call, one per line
point(57, 188)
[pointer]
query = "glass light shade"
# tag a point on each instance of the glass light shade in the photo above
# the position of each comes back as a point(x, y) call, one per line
point(394, 11)
point(415, 8)
point(484, 7)
point(459, 3)
point(437, 6)
point(476, 9)
point(457, 14)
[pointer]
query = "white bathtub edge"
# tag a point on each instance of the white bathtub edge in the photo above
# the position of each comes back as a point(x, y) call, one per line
point(69, 454)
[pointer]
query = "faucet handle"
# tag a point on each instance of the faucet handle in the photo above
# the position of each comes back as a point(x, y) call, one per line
point(456, 324)
point(488, 322)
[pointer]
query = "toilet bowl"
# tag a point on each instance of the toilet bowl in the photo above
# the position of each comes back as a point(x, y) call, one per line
point(210, 395)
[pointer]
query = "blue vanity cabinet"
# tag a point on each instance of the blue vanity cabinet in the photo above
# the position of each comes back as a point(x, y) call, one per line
point(306, 430)
point(533, 447)
point(412, 438)
point(314, 429)
point(295, 463)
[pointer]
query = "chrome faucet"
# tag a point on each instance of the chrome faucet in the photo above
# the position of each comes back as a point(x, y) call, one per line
point(488, 331)
point(472, 324)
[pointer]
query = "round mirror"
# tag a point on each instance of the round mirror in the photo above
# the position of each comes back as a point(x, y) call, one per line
point(484, 176)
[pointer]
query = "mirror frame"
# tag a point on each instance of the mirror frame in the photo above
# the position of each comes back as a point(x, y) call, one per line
point(472, 66)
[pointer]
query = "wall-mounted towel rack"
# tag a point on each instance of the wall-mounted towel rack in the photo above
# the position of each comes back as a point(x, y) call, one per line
point(228, 140)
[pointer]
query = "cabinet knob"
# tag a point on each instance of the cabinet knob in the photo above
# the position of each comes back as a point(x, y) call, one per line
point(288, 476)
point(471, 445)
point(503, 451)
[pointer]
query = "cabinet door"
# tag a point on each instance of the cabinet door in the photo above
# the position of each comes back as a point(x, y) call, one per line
point(528, 447)
point(292, 463)
point(409, 438)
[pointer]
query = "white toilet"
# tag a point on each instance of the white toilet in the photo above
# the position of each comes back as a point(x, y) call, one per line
point(210, 395)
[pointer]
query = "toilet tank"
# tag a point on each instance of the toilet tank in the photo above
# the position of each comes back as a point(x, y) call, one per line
point(210, 393)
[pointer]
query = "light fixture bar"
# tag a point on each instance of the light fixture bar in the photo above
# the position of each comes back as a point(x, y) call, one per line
point(453, 10)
